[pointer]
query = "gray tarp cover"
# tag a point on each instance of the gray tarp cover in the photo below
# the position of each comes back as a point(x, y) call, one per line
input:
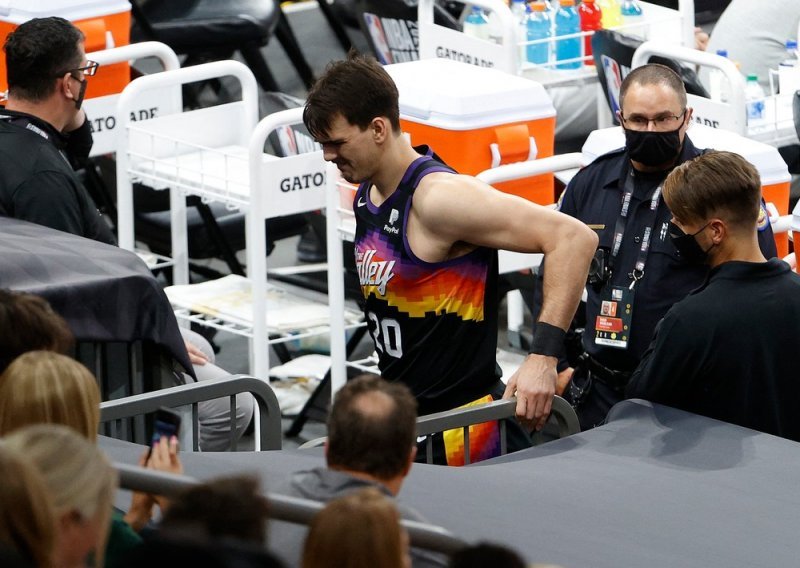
point(105, 293)
point(655, 487)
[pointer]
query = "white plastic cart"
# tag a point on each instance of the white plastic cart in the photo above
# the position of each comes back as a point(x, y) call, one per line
point(777, 129)
point(102, 111)
point(217, 153)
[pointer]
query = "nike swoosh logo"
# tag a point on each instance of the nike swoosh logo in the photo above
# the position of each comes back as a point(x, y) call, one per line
point(421, 439)
point(361, 202)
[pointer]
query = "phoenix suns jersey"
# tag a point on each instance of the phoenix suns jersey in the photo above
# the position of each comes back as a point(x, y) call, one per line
point(434, 324)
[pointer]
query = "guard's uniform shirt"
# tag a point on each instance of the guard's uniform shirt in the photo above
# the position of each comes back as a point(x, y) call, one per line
point(729, 350)
point(37, 180)
point(595, 197)
point(434, 324)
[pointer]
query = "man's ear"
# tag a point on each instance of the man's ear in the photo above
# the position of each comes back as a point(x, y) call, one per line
point(688, 118)
point(719, 230)
point(66, 87)
point(380, 129)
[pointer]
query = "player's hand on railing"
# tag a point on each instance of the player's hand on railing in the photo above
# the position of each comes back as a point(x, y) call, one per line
point(534, 385)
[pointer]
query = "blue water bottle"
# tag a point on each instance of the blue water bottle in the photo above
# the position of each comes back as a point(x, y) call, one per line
point(568, 23)
point(539, 28)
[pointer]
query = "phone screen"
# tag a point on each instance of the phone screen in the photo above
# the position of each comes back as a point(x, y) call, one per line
point(166, 424)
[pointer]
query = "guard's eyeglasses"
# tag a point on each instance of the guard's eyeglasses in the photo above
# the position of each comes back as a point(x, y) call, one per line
point(662, 122)
point(89, 70)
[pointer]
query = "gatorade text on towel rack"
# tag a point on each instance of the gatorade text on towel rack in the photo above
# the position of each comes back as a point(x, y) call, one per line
point(568, 23)
point(476, 24)
point(718, 85)
point(754, 95)
point(632, 17)
point(519, 9)
point(611, 13)
point(591, 21)
point(539, 28)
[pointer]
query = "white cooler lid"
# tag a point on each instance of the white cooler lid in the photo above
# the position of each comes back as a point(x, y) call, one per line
point(458, 96)
point(19, 11)
point(764, 157)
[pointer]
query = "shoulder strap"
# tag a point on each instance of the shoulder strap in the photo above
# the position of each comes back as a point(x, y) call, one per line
point(422, 168)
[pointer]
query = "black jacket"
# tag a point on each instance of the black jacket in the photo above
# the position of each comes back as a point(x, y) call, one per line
point(37, 179)
point(729, 350)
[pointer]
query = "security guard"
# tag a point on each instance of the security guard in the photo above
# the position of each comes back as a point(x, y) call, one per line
point(637, 273)
point(44, 131)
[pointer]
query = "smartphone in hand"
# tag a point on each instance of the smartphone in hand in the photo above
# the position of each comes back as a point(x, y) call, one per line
point(166, 423)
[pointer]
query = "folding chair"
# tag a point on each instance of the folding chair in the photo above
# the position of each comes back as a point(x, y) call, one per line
point(209, 30)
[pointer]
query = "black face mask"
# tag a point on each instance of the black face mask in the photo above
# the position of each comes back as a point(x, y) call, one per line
point(81, 93)
point(653, 148)
point(687, 245)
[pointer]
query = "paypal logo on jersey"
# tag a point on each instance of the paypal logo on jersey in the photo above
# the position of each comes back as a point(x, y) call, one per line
point(394, 215)
point(374, 272)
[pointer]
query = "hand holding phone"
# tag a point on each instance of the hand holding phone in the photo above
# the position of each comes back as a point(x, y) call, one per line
point(166, 424)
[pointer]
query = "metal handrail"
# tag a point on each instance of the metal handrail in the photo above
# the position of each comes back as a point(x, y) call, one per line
point(269, 433)
point(497, 410)
point(281, 507)
point(562, 411)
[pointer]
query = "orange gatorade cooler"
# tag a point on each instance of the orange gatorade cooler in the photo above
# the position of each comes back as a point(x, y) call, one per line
point(775, 178)
point(477, 118)
point(104, 23)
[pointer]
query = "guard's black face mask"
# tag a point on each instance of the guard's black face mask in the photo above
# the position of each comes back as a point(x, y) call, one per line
point(687, 245)
point(653, 148)
point(81, 94)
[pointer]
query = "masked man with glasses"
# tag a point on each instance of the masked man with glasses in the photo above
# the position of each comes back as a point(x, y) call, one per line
point(44, 133)
point(637, 273)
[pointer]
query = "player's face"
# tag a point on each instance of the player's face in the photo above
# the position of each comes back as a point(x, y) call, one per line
point(352, 150)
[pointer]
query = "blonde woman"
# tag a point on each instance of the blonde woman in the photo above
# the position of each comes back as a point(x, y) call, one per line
point(81, 484)
point(43, 387)
point(27, 518)
point(359, 530)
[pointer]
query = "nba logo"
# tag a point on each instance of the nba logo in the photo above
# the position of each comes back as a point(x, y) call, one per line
point(382, 51)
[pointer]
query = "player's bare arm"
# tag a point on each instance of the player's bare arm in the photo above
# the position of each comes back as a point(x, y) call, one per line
point(451, 214)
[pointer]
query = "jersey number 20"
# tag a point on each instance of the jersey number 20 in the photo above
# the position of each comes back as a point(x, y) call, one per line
point(387, 336)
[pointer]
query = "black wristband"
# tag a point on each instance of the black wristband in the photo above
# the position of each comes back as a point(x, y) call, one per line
point(548, 340)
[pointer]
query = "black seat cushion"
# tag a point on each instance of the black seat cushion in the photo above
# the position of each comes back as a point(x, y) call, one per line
point(154, 229)
point(189, 24)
